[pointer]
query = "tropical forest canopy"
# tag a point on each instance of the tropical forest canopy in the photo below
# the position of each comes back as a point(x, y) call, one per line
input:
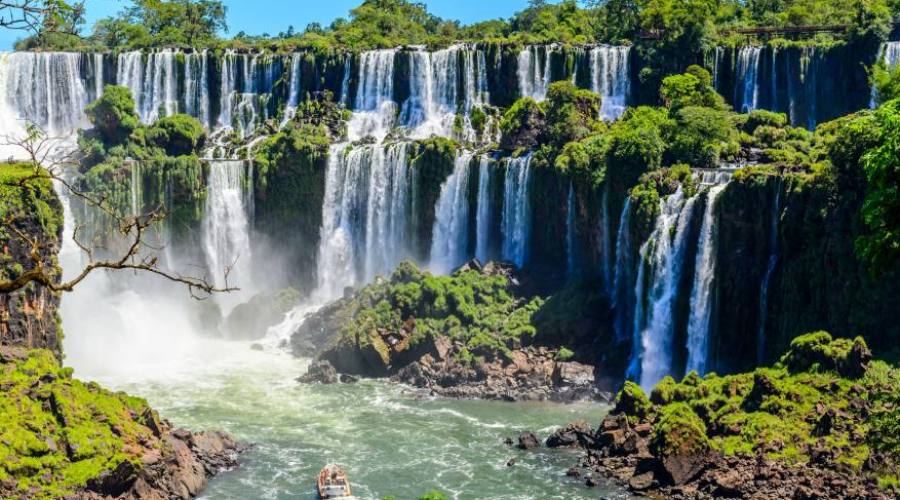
point(686, 24)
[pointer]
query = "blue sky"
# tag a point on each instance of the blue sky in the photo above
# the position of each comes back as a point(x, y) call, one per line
point(272, 16)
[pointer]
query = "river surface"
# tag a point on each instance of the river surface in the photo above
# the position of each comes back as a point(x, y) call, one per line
point(391, 440)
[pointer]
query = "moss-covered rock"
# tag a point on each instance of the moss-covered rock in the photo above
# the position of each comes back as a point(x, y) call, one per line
point(819, 352)
point(632, 401)
point(58, 433)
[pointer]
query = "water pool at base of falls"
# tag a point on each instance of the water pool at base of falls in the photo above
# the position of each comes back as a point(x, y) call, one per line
point(390, 439)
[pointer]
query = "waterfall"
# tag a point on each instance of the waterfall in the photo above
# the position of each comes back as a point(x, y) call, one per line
point(294, 90)
point(45, 89)
point(137, 189)
point(345, 82)
point(610, 78)
point(622, 300)
point(889, 55)
point(364, 215)
point(374, 109)
point(702, 290)
point(719, 52)
point(663, 254)
point(483, 216)
point(809, 74)
point(516, 222)
point(767, 277)
point(433, 81)
point(450, 237)
point(196, 86)
point(152, 81)
point(534, 78)
point(774, 80)
point(570, 233)
point(746, 78)
point(226, 226)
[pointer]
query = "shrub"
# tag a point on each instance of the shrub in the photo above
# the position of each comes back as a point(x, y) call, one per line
point(178, 134)
point(113, 114)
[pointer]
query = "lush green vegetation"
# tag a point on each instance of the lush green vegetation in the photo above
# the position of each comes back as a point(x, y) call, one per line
point(58, 432)
point(677, 29)
point(477, 309)
point(164, 155)
point(824, 396)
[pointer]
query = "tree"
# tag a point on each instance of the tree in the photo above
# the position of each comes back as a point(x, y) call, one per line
point(40, 16)
point(880, 246)
point(43, 167)
point(113, 115)
point(150, 23)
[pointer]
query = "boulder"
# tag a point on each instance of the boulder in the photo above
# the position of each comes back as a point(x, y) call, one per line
point(572, 374)
point(320, 372)
point(574, 434)
point(251, 320)
point(528, 440)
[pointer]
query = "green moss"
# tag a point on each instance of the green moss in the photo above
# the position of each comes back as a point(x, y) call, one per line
point(679, 431)
point(58, 432)
point(803, 403)
point(564, 354)
point(469, 306)
point(632, 401)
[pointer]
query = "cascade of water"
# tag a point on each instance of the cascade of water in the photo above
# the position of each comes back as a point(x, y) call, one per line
point(196, 86)
point(374, 109)
point(516, 222)
point(137, 189)
point(364, 216)
point(431, 106)
point(152, 81)
point(345, 82)
point(226, 226)
point(481, 80)
point(622, 285)
point(767, 277)
point(809, 74)
point(746, 78)
point(534, 78)
point(774, 77)
point(663, 254)
point(98, 76)
point(483, 217)
point(570, 232)
point(450, 237)
point(889, 55)
point(702, 290)
point(719, 52)
point(609, 78)
point(45, 89)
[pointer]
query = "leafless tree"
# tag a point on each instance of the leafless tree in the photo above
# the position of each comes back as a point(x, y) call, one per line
point(43, 155)
point(41, 16)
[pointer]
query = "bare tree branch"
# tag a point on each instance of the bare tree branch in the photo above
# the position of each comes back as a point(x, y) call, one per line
point(49, 164)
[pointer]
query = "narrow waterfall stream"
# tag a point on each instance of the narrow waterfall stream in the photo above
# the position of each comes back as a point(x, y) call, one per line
point(226, 229)
point(664, 253)
point(516, 221)
point(450, 238)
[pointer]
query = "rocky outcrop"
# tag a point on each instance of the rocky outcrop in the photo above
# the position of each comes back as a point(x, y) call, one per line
point(180, 471)
point(527, 374)
point(28, 316)
point(251, 320)
point(624, 453)
point(62, 438)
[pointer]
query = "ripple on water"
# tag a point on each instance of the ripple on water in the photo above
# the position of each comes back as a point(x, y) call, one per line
point(390, 441)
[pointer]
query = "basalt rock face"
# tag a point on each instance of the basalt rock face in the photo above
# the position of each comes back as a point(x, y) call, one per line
point(28, 316)
point(817, 281)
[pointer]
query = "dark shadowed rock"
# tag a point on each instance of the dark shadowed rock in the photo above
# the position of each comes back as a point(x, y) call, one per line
point(320, 372)
point(528, 440)
point(573, 434)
